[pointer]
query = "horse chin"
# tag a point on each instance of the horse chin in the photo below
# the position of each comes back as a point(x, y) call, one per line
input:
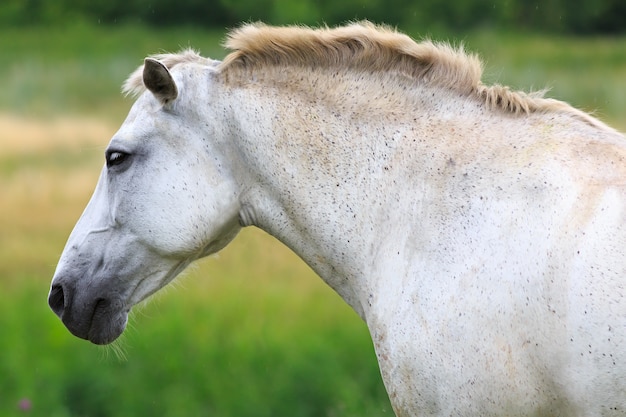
point(105, 323)
point(105, 330)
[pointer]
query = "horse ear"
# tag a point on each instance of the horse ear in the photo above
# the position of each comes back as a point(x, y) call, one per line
point(157, 79)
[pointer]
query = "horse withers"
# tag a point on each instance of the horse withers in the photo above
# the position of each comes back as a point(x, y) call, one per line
point(479, 232)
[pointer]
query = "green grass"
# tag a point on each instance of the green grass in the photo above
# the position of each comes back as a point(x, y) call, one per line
point(233, 345)
point(251, 332)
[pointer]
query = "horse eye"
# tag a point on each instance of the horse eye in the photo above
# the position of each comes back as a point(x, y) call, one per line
point(114, 158)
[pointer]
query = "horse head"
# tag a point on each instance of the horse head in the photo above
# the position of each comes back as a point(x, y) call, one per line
point(164, 199)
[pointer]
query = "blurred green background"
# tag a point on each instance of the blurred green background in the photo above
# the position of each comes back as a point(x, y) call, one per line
point(251, 331)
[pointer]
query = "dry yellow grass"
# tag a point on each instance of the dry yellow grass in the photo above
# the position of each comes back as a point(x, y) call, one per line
point(20, 134)
point(41, 197)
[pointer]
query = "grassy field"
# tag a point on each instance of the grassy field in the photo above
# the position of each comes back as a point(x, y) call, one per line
point(250, 332)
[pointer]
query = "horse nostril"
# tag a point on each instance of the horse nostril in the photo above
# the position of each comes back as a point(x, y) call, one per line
point(56, 299)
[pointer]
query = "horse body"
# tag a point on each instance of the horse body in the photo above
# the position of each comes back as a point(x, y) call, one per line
point(453, 250)
point(482, 244)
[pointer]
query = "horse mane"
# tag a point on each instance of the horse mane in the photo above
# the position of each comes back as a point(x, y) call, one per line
point(359, 46)
point(375, 48)
point(364, 46)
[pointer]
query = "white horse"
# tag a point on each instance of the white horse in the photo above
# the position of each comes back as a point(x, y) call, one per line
point(479, 232)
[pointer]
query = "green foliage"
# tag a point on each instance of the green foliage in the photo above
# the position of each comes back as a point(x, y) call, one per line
point(569, 16)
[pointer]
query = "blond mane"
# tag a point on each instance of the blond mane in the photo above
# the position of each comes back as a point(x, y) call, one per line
point(363, 46)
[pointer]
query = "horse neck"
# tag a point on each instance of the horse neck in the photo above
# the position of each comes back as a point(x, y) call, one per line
point(319, 176)
point(329, 174)
point(345, 182)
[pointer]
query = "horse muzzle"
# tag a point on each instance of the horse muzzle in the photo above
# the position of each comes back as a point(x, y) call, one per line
point(99, 319)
